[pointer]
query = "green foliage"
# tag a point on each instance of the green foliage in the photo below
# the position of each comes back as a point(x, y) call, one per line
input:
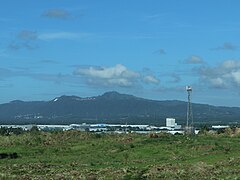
point(5, 131)
point(34, 129)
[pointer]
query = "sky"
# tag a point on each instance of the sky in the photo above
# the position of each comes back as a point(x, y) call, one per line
point(151, 49)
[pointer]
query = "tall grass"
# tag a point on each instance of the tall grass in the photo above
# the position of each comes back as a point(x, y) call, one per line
point(83, 155)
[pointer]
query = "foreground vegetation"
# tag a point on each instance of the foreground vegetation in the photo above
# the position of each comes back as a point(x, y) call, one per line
point(78, 155)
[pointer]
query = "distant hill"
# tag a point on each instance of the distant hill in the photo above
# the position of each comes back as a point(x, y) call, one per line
point(111, 107)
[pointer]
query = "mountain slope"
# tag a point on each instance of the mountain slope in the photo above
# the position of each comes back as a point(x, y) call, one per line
point(111, 107)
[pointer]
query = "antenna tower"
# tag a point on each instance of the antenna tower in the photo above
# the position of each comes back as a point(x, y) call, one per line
point(189, 126)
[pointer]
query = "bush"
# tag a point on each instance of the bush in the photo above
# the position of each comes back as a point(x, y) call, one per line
point(6, 131)
point(153, 135)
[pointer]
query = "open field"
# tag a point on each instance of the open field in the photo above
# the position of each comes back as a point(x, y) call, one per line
point(78, 155)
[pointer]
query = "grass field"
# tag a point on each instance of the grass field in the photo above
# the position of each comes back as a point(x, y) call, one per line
point(79, 155)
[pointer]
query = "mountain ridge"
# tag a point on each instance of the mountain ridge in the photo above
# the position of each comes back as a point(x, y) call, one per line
point(111, 107)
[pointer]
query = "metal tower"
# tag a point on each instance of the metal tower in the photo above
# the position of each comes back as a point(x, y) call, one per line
point(189, 125)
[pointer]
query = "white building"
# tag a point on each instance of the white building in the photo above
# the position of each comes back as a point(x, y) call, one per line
point(170, 122)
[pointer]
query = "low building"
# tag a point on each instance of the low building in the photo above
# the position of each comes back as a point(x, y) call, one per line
point(220, 127)
point(171, 123)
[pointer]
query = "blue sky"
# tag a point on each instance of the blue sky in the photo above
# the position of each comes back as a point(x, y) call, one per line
point(150, 49)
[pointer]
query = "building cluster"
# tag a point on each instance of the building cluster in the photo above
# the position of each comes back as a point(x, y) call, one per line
point(171, 127)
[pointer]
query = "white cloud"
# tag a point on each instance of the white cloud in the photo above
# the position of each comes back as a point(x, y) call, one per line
point(151, 79)
point(118, 75)
point(194, 60)
point(217, 82)
point(226, 74)
point(119, 82)
point(229, 65)
point(108, 72)
point(236, 76)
